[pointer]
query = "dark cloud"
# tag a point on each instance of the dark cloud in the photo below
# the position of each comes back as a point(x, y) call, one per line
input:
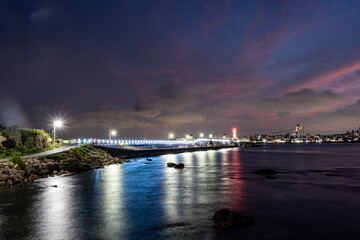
point(345, 117)
point(303, 100)
point(165, 107)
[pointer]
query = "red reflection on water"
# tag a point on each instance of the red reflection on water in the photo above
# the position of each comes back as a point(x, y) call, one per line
point(237, 183)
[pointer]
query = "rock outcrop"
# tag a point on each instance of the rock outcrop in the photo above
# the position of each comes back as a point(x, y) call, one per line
point(78, 159)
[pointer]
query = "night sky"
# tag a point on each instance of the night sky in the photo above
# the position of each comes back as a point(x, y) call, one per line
point(180, 66)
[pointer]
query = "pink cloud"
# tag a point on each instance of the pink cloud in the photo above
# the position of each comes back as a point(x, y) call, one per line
point(327, 78)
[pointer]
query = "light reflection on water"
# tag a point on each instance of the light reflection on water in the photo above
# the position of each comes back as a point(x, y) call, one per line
point(112, 206)
point(54, 209)
point(151, 201)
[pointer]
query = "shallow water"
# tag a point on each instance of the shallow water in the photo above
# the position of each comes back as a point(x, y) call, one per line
point(137, 200)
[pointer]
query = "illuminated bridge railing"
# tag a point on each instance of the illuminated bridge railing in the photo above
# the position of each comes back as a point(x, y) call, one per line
point(150, 144)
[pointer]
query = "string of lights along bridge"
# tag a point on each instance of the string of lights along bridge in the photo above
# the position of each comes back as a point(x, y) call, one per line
point(171, 142)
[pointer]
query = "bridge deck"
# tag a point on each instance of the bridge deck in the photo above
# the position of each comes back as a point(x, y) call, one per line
point(131, 153)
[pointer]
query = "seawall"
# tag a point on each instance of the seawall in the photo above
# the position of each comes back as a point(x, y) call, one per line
point(127, 153)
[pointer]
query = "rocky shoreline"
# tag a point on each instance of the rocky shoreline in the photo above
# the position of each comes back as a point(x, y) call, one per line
point(77, 159)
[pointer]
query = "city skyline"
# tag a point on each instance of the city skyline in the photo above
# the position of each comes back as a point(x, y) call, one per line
point(184, 66)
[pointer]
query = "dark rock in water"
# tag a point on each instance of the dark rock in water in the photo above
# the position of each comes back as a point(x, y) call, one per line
point(221, 215)
point(226, 218)
point(331, 175)
point(174, 165)
point(180, 166)
point(271, 177)
point(148, 159)
point(55, 186)
point(171, 164)
point(266, 171)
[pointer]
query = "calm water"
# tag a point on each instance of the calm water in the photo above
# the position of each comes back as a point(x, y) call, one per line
point(150, 201)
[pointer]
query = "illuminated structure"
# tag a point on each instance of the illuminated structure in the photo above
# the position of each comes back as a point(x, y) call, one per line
point(234, 130)
point(298, 129)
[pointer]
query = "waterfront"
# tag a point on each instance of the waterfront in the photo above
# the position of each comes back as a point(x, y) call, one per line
point(315, 196)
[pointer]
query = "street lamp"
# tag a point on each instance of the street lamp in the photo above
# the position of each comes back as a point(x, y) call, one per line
point(210, 135)
point(112, 132)
point(201, 135)
point(171, 136)
point(57, 124)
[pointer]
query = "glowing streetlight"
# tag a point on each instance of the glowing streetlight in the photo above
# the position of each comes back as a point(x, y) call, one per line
point(57, 124)
point(210, 136)
point(113, 133)
point(171, 136)
point(201, 135)
point(187, 136)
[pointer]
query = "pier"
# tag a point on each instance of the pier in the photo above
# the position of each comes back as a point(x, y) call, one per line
point(137, 153)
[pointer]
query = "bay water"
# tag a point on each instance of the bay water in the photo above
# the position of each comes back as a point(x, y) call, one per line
point(315, 195)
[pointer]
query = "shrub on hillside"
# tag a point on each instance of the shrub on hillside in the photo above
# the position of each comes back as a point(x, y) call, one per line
point(15, 158)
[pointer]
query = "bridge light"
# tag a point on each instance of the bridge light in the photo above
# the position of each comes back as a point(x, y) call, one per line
point(201, 135)
point(211, 136)
point(171, 135)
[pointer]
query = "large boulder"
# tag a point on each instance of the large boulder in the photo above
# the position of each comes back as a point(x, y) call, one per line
point(2, 139)
point(33, 177)
point(17, 167)
point(11, 141)
point(32, 169)
point(41, 141)
point(4, 177)
point(226, 218)
point(51, 167)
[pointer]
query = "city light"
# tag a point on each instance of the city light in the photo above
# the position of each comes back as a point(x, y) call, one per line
point(201, 135)
point(171, 135)
point(187, 136)
point(210, 136)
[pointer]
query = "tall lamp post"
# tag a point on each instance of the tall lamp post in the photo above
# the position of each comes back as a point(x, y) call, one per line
point(112, 133)
point(57, 124)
